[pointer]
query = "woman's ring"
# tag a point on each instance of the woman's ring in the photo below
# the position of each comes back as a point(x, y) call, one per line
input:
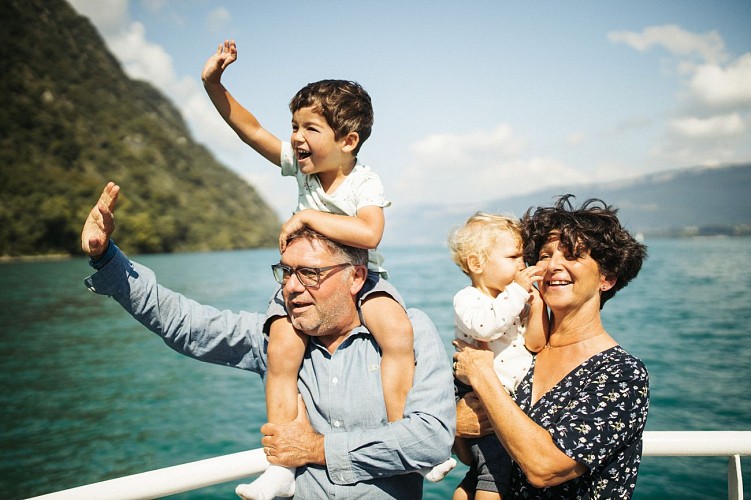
point(267, 451)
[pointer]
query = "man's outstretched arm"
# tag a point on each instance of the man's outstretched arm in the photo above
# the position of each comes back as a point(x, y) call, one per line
point(196, 330)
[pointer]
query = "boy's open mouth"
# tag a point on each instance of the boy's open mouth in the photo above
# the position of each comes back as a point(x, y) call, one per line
point(302, 154)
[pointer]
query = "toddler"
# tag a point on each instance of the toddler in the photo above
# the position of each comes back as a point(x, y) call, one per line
point(503, 309)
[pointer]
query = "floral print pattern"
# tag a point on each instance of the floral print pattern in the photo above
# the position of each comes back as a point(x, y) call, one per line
point(595, 415)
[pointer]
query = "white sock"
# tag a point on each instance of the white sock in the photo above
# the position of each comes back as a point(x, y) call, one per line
point(440, 471)
point(276, 481)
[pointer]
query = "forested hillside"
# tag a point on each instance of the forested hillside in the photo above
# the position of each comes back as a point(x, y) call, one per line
point(70, 120)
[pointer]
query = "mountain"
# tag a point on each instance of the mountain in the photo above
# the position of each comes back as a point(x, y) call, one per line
point(71, 120)
point(672, 203)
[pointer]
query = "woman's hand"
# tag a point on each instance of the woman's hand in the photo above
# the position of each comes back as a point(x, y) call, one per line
point(471, 361)
point(471, 419)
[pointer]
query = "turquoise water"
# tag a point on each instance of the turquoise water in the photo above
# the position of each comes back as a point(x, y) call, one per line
point(88, 394)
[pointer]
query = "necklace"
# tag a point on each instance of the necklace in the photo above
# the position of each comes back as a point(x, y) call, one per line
point(548, 346)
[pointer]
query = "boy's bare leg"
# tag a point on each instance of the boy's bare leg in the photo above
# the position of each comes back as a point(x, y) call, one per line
point(285, 353)
point(388, 322)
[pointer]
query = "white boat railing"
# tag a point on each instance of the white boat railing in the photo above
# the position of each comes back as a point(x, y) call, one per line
point(203, 473)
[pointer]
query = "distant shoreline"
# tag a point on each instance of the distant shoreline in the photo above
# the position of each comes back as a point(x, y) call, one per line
point(35, 258)
point(645, 236)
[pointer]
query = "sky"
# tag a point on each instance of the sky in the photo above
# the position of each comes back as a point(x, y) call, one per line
point(473, 101)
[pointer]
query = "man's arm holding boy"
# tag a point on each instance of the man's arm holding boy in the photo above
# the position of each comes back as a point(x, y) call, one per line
point(422, 439)
point(242, 121)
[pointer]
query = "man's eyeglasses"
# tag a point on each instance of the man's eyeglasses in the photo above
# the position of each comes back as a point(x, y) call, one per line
point(309, 277)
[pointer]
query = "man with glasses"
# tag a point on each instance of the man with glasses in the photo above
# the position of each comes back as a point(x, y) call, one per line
point(345, 448)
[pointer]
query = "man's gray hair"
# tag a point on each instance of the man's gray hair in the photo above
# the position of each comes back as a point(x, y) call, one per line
point(350, 254)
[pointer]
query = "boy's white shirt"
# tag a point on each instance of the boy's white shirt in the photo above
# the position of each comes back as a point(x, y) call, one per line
point(499, 322)
point(361, 188)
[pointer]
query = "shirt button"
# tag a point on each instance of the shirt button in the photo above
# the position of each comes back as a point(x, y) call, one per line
point(337, 423)
point(335, 380)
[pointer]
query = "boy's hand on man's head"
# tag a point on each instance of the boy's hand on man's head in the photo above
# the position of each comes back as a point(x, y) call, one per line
point(294, 223)
point(225, 55)
point(100, 223)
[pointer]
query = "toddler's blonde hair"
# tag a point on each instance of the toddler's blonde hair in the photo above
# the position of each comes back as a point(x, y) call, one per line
point(479, 235)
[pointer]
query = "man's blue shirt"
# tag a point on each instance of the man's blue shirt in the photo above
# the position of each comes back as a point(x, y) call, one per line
point(366, 456)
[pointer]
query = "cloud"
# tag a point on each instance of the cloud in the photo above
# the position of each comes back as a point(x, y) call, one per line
point(716, 82)
point(127, 40)
point(477, 166)
point(712, 141)
point(154, 5)
point(218, 20)
point(142, 59)
point(709, 46)
point(451, 149)
point(109, 16)
point(711, 122)
point(709, 128)
point(576, 138)
point(719, 87)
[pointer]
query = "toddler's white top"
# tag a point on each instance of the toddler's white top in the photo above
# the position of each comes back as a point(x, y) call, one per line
point(501, 322)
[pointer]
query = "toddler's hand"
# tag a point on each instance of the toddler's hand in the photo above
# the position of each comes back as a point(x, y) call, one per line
point(528, 276)
point(225, 55)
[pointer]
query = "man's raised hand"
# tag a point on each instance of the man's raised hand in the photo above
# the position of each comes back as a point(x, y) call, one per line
point(100, 223)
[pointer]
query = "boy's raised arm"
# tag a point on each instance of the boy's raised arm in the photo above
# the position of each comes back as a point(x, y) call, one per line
point(242, 121)
point(363, 231)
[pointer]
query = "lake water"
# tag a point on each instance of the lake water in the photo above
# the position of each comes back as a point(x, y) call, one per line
point(89, 394)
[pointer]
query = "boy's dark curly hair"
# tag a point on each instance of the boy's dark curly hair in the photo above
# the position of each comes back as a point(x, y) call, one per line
point(345, 105)
point(593, 228)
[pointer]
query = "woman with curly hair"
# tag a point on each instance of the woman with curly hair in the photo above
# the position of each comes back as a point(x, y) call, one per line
point(574, 426)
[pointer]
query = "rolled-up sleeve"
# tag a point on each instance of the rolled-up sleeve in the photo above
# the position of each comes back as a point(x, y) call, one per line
point(198, 331)
point(422, 439)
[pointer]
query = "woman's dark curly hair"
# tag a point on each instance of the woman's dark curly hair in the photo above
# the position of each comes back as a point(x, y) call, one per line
point(593, 228)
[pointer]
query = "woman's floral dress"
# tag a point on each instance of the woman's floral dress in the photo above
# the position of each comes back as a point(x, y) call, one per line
point(596, 416)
